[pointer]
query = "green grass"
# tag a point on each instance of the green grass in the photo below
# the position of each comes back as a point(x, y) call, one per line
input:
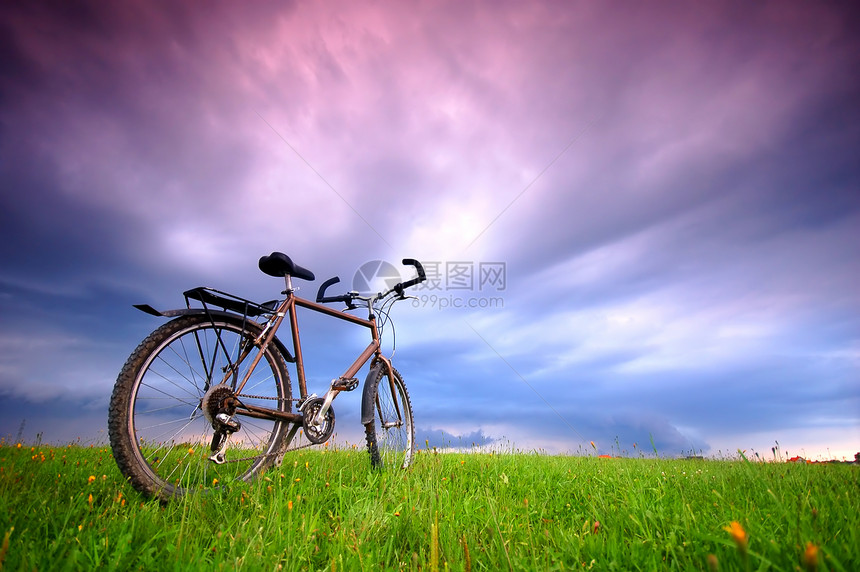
point(325, 510)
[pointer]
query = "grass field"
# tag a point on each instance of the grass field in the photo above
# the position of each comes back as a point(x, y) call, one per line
point(69, 508)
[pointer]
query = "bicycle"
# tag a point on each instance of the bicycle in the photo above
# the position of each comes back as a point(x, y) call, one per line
point(206, 398)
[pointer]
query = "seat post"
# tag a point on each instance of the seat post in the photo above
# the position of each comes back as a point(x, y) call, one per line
point(289, 283)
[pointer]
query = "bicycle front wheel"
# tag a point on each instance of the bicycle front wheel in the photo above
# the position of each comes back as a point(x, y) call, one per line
point(160, 419)
point(391, 434)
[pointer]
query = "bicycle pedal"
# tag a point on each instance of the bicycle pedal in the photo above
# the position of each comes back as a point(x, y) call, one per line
point(344, 383)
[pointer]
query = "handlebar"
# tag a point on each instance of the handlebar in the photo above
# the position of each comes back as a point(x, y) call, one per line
point(323, 299)
point(349, 297)
point(420, 278)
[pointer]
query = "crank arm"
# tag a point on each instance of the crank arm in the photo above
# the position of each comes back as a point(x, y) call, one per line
point(320, 417)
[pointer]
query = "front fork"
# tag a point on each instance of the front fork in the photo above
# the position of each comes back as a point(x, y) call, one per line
point(368, 398)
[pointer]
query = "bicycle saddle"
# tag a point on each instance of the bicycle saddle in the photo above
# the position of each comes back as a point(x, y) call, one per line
point(279, 265)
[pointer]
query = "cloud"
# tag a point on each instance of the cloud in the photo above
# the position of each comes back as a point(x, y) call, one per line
point(672, 190)
point(439, 438)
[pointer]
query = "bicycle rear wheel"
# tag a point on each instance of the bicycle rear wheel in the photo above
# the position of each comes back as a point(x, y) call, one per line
point(159, 431)
point(391, 435)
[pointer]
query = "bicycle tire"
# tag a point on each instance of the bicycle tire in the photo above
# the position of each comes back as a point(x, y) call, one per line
point(391, 434)
point(159, 434)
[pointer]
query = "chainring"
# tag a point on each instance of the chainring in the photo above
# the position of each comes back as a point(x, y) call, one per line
point(317, 434)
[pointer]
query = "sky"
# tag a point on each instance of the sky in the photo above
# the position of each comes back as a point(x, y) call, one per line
point(641, 220)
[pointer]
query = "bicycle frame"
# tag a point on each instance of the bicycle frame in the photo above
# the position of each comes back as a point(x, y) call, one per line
point(219, 369)
point(287, 308)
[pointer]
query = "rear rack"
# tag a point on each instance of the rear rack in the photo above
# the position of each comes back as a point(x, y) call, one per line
point(211, 296)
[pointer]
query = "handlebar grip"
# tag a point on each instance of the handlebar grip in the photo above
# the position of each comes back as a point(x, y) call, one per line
point(421, 275)
point(321, 297)
point(412, 262)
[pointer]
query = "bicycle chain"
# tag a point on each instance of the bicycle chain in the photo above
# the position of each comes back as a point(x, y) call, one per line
point(266, 397)
point(305, 446)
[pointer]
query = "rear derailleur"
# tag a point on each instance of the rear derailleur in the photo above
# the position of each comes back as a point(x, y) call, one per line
point(218, 406)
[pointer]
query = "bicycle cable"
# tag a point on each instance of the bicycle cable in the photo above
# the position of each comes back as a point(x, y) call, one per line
point(386, 310)
point(384, 319)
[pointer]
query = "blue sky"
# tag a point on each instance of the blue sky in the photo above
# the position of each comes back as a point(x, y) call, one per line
point(671, 189)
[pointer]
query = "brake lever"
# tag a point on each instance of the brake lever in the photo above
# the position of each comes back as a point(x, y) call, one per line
point(349, 305)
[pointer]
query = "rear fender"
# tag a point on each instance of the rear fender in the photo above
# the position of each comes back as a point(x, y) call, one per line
point(229, 316)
